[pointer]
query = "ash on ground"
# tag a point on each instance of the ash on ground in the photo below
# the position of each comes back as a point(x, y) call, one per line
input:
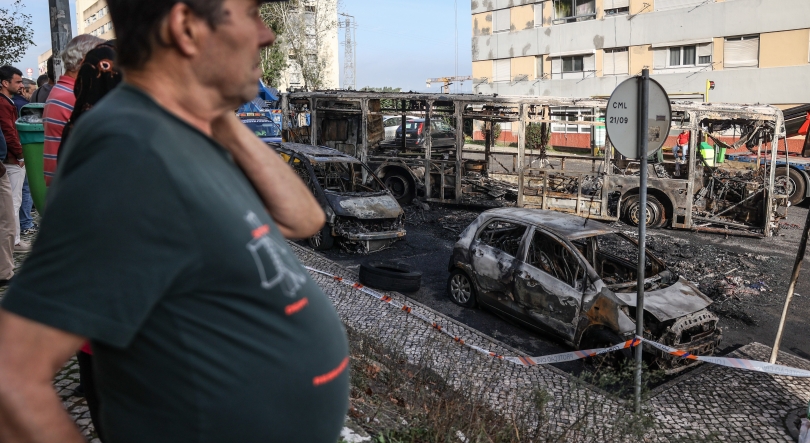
point(444, 222)
point(738, 283)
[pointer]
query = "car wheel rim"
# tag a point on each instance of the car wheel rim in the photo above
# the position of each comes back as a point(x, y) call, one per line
point(316, 240)
point(460, 289)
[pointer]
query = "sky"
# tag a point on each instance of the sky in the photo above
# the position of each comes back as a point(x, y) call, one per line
point(399, 43)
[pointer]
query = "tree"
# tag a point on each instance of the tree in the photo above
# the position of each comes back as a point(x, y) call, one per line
point(305, 28)
point(273, 61)
point(15, 33)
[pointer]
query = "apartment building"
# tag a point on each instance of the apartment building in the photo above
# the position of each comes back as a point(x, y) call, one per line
point(755, 51)
point(93, 17)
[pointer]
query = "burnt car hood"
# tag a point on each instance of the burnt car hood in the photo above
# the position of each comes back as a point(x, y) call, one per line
point(367, 206)
point(675, 301)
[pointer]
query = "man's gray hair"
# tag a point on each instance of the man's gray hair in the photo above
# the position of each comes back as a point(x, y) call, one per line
point(76, 49)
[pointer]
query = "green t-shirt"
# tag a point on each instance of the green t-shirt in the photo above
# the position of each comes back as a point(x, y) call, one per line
point(204, 325)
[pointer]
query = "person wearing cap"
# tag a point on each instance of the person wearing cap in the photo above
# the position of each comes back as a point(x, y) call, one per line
point(164, 244)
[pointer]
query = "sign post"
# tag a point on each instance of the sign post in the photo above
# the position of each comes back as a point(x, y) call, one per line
point(61, 32)
point(637, 121)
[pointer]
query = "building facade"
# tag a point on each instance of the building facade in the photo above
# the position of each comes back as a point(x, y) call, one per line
point(755, 51)
point(42, 62)
point(93, 17)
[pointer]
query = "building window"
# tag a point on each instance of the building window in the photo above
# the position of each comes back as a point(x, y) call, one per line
point(615, 62)
point(538, 13)
point(568, 11)
point(572, 64)
point(573, 67)
point(741, 52)
point(682, 56)
point(538, 70)
point(564, 115)
point(617, 11)
point(501, 20)
point(502, 70)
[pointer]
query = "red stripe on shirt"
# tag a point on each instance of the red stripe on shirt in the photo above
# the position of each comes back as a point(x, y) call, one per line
point(296, 307)
point(331, 375)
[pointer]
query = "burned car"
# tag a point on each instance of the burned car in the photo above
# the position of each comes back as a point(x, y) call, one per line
point(360, 212)
point(576, 279)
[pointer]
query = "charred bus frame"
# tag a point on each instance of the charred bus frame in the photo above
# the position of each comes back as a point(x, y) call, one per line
point(708, 198)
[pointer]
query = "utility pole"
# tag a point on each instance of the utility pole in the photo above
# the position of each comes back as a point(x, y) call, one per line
point(61, 32)
point(349, 61)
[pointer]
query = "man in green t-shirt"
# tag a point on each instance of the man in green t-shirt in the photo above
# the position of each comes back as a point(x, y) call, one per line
point(164, 245)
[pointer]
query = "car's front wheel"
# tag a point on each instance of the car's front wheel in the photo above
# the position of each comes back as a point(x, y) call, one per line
point(460, 289)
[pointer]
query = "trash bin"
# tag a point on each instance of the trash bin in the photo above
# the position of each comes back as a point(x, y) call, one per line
point(32, 137)
point(707, 152)
point(721, 153)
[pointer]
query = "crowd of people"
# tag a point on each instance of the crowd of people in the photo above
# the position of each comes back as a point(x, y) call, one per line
point(16, 219)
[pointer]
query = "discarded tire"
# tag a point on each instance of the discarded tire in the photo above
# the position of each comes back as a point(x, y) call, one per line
point(390, 276)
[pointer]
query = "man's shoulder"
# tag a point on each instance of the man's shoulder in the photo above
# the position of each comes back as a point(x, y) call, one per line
point(130, 112)
point(135, 119)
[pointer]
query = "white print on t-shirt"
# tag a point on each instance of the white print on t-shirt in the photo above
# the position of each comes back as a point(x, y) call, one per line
point(269, 259)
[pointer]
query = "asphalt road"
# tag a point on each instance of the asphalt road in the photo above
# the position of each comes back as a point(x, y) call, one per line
point(428, 246)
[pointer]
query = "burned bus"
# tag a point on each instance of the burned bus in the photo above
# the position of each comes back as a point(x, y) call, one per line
point(443, 149)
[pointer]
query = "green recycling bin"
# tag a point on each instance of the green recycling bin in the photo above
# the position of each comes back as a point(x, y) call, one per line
point(32, 137)
point(720, 152)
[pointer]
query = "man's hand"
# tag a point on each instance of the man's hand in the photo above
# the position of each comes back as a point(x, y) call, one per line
point(287, 198)
point(30, 354)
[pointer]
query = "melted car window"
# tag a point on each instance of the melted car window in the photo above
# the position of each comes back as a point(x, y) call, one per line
point(346, 177)
point(504, 236)
point(616, 262)
point(554, 258)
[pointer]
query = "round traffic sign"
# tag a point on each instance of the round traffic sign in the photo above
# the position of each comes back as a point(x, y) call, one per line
point(622, 117)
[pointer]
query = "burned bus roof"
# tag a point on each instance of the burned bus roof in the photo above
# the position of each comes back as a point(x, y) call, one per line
point(767, 112)
point(316, 153)
point(567, 226)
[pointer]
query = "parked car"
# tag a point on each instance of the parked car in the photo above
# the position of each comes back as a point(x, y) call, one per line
point(442, 134)
point(360, 211)
point(263, 127)
point(576, 279)
point(391, 123)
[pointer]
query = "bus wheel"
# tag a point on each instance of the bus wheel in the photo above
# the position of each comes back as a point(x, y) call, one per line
point(656, 212)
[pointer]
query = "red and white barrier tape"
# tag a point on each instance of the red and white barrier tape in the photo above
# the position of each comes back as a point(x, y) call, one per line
point(736, 363)
point(749, 365)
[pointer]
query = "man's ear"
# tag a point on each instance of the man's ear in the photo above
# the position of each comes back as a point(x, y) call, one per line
point(184, 30)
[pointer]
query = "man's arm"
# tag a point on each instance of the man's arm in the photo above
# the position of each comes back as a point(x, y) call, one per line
point(7, 115)
point(30, 354)
point(287, 198)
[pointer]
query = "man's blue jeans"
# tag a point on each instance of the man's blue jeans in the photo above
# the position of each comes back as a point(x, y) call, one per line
point(26, 222)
